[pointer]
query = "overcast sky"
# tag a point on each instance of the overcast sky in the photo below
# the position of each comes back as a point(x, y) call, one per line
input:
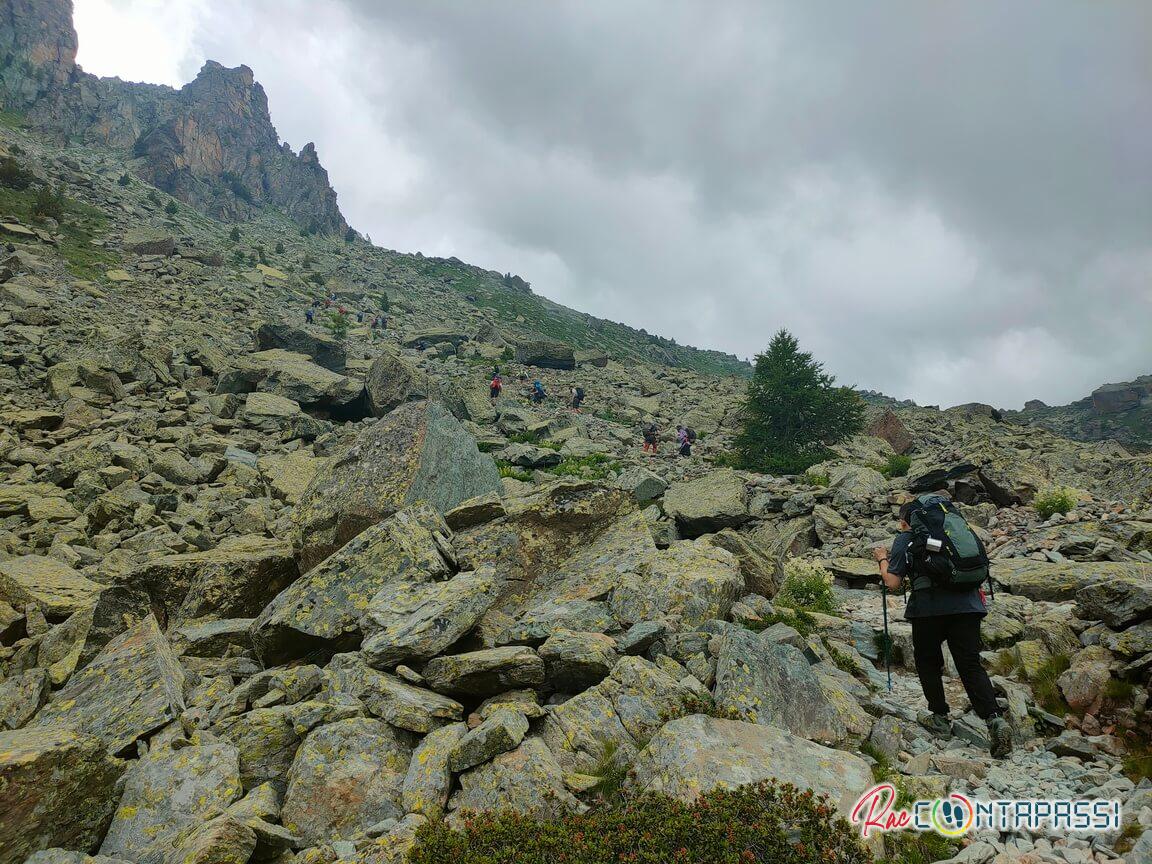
point(947, 201)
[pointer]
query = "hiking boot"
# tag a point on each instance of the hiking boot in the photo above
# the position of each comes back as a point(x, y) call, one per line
point(1000, 735)
point(938, 724)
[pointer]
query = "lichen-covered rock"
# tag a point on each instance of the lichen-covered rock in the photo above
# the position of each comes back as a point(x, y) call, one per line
point(234, 580)
point(1084, 681)
point(168, 792)
point(526, 780)
point(222, 840)
point(415, 621)
point(1121, 599)
point(695, 754)
point(56, 789)
point(757, 566)
point(710, 503)
point(772, 683)
point(387, 697)
point(266, 740)
point(697, 581)
point(346, 777)
point(391, 382)
point(132, 687)
point(485, 672)
point(575, 661)
point(21, 697)
point(428, 781)
point(327, 604)
point(502, 731)
point(55, 587)
point(323, 350)
point(546, 353)
point(645, 696)
point(582, 731)
point(419, 452)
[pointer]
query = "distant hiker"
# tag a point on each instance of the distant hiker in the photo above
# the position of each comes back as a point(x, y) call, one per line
point(651, 437)
point(539, 394)
point(577, 398)
point(375, 322)
point(309, 315)
point(495, 387)
point(340, 309)
point(683, 443)
point(360, 317)
point(944, 564)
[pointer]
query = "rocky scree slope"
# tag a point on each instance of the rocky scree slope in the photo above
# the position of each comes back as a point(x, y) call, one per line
point(268, 595)
point(1121, 412)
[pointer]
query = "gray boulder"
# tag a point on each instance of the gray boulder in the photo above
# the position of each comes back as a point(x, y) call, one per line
point(545, 353)
point(696, 754)
point(710, 503)
point(324, 350)
point(419, 452)
point(57, 788)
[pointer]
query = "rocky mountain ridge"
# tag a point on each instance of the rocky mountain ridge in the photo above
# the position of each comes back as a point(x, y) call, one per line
point(210, 144)
point(1121, 412)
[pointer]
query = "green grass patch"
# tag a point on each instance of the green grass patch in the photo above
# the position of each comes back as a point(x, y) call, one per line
point(806, 586)
point(79, 224)
point(507, 469)
point(799, 620)
point(1045, 688)
point(896, 466)
point(610, 416)
point(813, 478)
point(1058, 499)
point(1005, 662)
point(595, 466)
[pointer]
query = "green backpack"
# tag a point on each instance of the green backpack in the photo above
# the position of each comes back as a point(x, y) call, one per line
point(944, 551)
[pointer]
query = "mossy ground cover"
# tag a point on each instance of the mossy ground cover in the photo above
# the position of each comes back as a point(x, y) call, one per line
point(81, 223)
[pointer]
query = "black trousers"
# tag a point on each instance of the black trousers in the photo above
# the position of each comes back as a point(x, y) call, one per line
point(962, 633)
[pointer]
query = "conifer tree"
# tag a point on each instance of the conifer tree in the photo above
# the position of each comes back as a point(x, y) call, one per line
point(794, 410)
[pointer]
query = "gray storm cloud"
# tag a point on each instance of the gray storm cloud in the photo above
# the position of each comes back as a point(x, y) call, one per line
point(945, 201)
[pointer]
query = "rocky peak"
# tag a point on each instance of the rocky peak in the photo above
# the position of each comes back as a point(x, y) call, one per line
point(211, 143)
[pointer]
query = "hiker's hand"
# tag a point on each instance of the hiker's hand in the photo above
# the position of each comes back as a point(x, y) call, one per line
point(879, 553)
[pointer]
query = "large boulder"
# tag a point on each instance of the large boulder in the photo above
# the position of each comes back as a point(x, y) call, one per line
point(53, 586)
point(168, 792)
point(327, 604)
point(131, 688)
point(419, 452)
point(695, 580)
point(391, 382)
point(696, 754)
point(236, 579)
point(1119, 601)
point(545, 353)
point(710, 503)
point(892, 429)
point(526, 780)
point(385, 696)
point(324, 350)
point(763, 681)
point(410, 621)
point(57, 788)
point(293, 376)
point(485, 672)
point(346, 777)
point(428, 781)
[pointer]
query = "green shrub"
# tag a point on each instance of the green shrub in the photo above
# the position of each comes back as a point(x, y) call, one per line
point(234, 234)
point(1045, 688)
point(1057, 499)
point(595, 466)
point(49, 204)
point(896, 466)
point(337, 325)
point(764, 823)
point(124, 180)
point(806, 586)
point(508, 470)
point(279, 247)
point(813, 478)
point(171, 208)
point(13, 175)
point(799, 620)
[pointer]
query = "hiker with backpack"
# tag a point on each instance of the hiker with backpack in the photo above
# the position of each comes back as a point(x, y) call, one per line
point(651, 437)
point(577, 399)
point(539, 394)
point(496, 386)
point(685, 438)
point(944, 564)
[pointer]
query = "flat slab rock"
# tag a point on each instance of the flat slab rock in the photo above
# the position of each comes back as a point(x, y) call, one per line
point(133, 686)
point(698, 753)
point(486, 672)
point(49, 583)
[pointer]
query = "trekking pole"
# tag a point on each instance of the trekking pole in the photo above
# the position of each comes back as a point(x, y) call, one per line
point(887, 638)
